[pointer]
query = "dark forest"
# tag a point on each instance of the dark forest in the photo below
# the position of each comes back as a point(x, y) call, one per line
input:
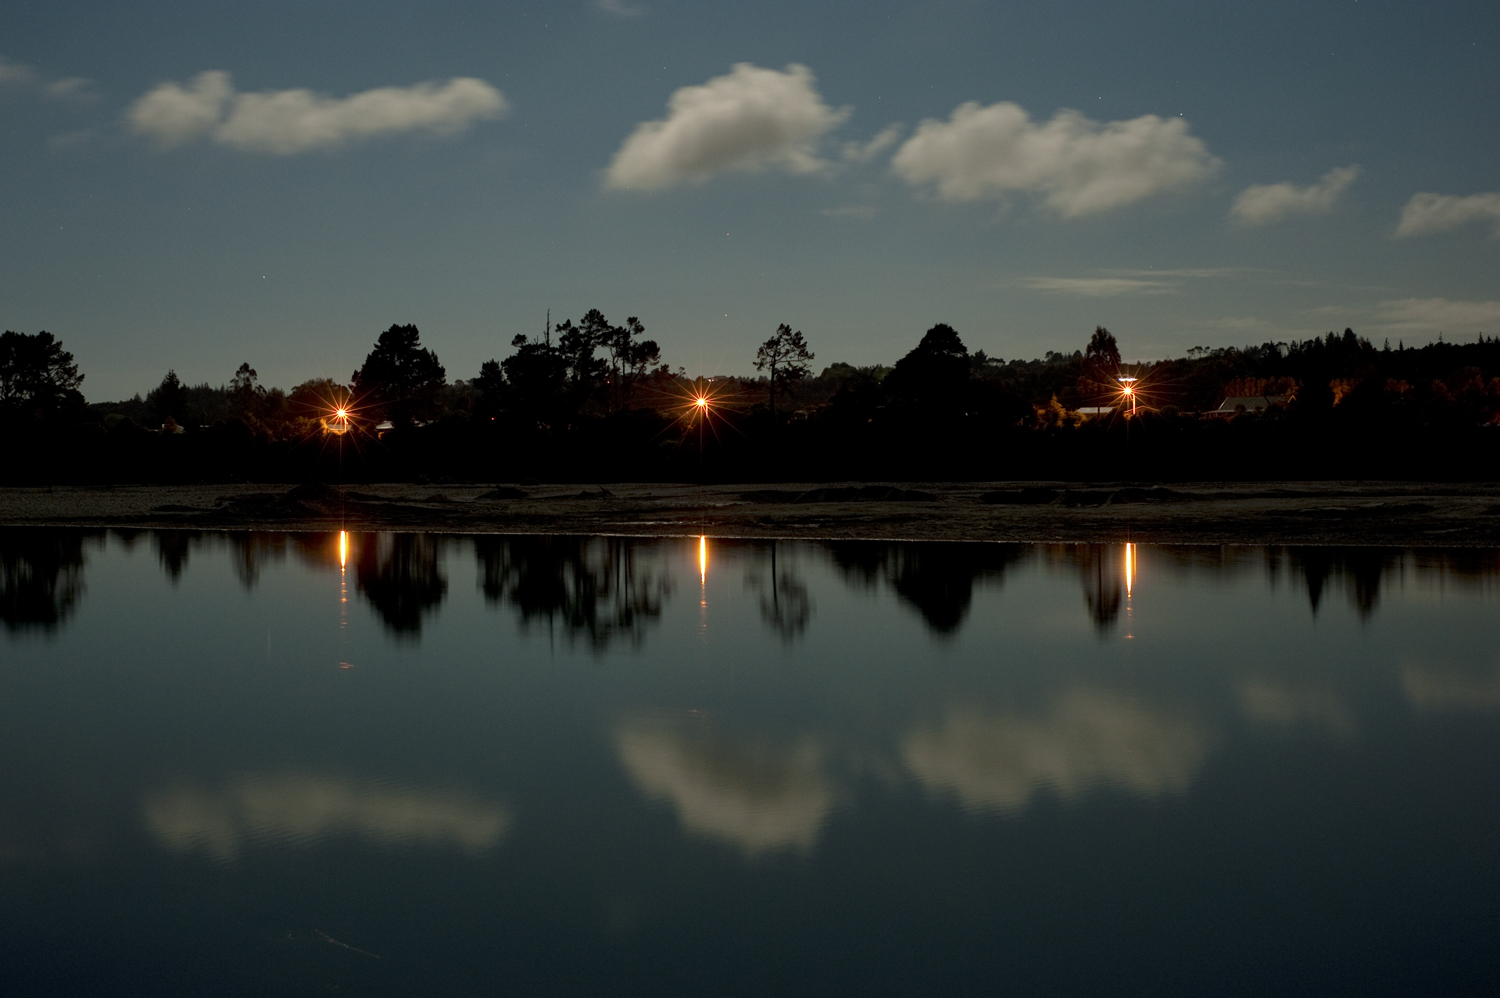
point(593, 402)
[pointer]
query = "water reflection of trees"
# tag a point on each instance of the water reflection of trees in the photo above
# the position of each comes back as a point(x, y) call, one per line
point(785, 602)
point(41, 576)
point(1360, 570)
point(172, 550)
point(399, 574)
point(937, 578)
point(252, 551)
point(595, 587)
point(1101, 566)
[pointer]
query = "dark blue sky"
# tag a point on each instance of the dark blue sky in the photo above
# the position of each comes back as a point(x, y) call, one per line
point(1228, 174)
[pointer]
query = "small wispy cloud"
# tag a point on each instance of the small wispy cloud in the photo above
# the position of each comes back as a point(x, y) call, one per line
point(863, 152)
point(619, 8)
point(1099, 287)
point(1261, 204)
point(70, 88)
point(851, 212)
point(15, 74)
point(19, 76)
point(1437, 315)
point(285, 122)
point(1196, 273)
point(1428, 213)
point(1242, 324)
point(71, 140)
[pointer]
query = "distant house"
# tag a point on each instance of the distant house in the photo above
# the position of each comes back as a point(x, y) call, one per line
point(1249, 403)
point(1087, 411)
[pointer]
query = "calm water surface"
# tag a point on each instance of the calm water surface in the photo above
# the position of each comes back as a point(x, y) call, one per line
point(526, 765)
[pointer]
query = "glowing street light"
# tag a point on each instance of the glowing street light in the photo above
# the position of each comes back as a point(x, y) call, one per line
point(1127, 387)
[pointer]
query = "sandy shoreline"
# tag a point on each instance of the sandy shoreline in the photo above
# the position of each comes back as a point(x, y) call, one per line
point(1359, 513)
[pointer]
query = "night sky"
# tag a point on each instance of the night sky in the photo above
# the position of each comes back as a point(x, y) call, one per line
point(192, 185)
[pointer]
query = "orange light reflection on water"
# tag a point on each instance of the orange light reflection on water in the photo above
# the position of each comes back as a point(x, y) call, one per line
point(1129, 569)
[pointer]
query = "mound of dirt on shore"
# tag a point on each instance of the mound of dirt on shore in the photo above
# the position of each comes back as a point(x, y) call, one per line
point(869, 493)
point(1084, 497)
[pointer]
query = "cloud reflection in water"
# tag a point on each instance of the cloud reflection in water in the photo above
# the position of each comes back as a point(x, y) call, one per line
point(756, 797)
point(1447, 688)
point(304, 808)
point(1280, 705)
point(1089, 740)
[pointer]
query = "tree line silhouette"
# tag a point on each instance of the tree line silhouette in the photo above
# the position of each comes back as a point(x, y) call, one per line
point(592, 401)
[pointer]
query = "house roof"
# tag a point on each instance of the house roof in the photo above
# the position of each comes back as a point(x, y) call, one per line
point(1252, 403)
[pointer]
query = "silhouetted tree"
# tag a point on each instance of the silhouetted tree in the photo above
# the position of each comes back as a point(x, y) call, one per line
point(935, 374)
point(168, 400)
point(629, 359)
point(1101, 358)
point(491, 387)
point(244, 391)
point(536, 376)
point(402, 376)
point(38, 378)
point(578, 345)
point(786, 357)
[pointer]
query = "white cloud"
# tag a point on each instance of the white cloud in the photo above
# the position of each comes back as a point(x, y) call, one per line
point(1433, 315)
point(1427, 213)
point(173, 114)
point(1076, 165)
point(1260, 204)
point(285, 122)
point(750, 119)
point(303, 808)
point(1089, 740)
point(758, 798)
point(1099, 287)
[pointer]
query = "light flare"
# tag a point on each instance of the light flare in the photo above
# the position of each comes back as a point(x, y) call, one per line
point(702, 561)
point(1129, 569)
point(343, 548)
